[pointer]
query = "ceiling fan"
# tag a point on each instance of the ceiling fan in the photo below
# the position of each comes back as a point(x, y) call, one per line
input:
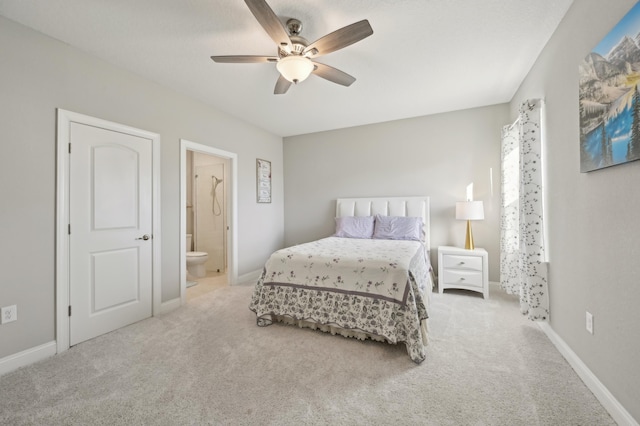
point(295, 54)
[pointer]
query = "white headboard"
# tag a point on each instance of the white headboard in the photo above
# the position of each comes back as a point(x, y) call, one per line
point(388, 206)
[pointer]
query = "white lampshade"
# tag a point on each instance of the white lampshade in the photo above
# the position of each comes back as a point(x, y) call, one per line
point(469, 210)
point(295, 68)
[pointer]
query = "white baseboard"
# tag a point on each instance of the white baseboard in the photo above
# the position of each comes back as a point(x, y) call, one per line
point(251, 277)
point(26, 357)
point(170, 305)
point(608, 401)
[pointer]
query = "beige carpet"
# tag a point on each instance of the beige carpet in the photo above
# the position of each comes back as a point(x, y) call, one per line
point(208, 363)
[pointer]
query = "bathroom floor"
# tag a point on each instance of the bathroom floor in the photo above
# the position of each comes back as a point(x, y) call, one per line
point(213, 281)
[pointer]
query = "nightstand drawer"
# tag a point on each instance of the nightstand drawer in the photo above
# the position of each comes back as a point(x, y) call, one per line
point(473, 263)
point(460, 277)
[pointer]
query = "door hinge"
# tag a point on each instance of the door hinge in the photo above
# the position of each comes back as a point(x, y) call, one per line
point(69, 310)
point(69, 148)
point(69, 229)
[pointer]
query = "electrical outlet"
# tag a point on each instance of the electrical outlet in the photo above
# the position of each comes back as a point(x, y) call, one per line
point(8, 314)
point(589, 322)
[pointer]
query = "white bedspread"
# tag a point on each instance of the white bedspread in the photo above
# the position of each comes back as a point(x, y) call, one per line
point(367, 267)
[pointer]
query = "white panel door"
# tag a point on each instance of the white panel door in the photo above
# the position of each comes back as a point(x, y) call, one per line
point(110, 245)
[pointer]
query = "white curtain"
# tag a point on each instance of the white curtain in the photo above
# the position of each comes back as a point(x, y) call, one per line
point(523, 267)
point(509, 224)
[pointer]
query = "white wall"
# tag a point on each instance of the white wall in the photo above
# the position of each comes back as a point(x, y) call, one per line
point(39, 74)
point(436, 155)
point(593, 217)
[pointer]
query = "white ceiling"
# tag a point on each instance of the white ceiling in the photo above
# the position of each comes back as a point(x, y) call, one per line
point(424, 57)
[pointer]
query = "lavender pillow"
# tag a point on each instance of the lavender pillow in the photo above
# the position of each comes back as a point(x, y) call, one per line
point(398, 228)
point(354, 227)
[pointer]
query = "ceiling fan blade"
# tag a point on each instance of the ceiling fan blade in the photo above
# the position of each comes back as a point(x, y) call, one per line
point(332, 74)
point(270, 22)
point(282, 85)
point(338, 39)
point(244, 59)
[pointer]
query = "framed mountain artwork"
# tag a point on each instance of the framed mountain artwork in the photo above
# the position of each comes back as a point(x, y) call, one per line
point(610, 97)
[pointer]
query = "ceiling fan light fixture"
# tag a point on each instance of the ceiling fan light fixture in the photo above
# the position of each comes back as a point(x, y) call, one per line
point(294, 56)
point(295, 68)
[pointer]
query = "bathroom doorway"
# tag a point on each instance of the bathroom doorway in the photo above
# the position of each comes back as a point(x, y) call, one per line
point(207, 216)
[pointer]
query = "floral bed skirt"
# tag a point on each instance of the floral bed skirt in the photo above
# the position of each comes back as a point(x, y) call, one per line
point(351, 315)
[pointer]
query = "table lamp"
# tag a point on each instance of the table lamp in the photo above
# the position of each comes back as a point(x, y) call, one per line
point(469, 210)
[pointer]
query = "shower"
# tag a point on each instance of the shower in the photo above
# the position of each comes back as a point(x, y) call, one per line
point(209, 210)
point(215, 208)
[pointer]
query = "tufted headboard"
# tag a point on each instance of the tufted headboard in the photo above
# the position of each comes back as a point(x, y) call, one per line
point(388, 206)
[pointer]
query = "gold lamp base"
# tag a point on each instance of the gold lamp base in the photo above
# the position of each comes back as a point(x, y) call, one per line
point(468, 243)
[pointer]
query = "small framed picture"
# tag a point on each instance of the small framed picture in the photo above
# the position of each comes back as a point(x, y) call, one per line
point(263, 180)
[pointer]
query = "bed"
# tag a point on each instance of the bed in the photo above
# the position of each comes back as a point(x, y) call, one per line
point(370, 280)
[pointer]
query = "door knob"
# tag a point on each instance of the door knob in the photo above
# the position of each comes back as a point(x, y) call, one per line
point(144, 237)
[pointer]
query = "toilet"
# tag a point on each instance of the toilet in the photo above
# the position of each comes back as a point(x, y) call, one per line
point(195, 260)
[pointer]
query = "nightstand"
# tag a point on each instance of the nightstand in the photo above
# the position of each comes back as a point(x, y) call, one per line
point(463, 269)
